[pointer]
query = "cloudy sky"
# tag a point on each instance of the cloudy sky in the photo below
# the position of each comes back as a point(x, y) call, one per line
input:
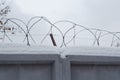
point(103, 14)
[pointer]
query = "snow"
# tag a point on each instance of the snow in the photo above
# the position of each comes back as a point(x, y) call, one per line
point(24, 49)
point(93, 51)
point(63, 52)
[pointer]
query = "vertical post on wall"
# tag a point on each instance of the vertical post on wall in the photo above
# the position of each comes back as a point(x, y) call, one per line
point(53, 40)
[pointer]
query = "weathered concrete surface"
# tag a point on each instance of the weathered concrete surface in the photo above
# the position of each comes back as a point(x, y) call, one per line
point(47, 64)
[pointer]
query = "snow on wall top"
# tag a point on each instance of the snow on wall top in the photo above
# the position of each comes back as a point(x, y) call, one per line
point(23, 49)
point(86, 51)
point(92, 51)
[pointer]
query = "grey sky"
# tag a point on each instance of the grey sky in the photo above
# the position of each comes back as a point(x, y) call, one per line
point(103, 14)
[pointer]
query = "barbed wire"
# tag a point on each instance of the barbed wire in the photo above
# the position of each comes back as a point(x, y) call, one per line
point(77, 29)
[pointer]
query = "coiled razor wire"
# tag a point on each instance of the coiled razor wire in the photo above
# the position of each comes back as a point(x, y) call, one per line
point(97, 34)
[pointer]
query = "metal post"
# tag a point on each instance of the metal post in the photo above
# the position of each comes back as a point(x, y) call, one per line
point(53, 40)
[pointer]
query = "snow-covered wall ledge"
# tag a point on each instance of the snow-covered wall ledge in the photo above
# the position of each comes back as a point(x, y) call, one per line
point(63, 52)
point(92, 51)
point(24, 49)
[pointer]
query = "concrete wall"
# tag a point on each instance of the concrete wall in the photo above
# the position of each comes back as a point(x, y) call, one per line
point(92, 68)
point(53, 67)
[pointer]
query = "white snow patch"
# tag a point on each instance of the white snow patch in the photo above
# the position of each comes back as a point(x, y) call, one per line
point(37, 49)
point(92, 51)
point(24, 49)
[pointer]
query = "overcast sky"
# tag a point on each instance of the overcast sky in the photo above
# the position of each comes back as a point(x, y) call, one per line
point(103, 14)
